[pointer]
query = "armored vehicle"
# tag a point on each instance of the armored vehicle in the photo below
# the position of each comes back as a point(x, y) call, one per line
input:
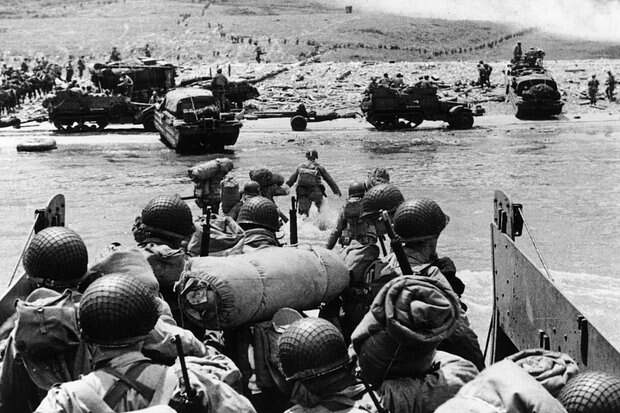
point(73, 110)
point(532, 91)
point(389, 108)
point(148, 76)
point(189, 120)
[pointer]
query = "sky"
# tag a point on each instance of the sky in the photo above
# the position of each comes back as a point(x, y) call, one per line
point(584, 19)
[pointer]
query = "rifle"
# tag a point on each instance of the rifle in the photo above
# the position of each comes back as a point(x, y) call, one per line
point(382, 243)
point(206, 232)
point(371, 393)
point(396, 244)
point(293, 221)
point(186, 401)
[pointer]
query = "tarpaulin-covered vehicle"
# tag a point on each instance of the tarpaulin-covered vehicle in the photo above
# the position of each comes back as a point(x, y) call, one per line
point(189, 120)
point(533, 92)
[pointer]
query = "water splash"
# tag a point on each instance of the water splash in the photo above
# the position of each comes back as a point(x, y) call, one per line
point(586, 19)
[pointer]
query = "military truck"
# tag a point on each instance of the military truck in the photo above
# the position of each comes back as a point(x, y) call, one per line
point(73, 110)
point(532, 91)
point(148, 76)
point(388, 108)
point(76, 110)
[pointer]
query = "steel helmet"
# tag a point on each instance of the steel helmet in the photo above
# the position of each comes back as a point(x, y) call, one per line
point(312, 155)
point(56, 253)
point(251, 188)
point(168, 216)
point(357, 189)
point(419, 220)
point(117, 309)
point(259, 211)
point(381, 197)
point(591, 392)
point(311, 347)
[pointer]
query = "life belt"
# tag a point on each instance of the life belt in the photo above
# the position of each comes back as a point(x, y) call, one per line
point(37, 145)
point(309, 176)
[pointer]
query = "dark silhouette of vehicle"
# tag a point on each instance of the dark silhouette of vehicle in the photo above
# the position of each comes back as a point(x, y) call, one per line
point(190, 121)
point(388, 108)
point(532, 91)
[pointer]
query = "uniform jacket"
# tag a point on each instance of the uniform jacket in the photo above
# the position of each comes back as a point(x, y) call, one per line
point(213, 393)
point(322, 172)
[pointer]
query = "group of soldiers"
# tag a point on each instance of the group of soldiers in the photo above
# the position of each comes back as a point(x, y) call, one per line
point(610, 88)
point(115, 335)
point(26, 82)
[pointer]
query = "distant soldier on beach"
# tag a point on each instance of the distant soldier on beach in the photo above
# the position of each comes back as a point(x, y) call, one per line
point(517, 53)
point(69, 71)
point(593, 89)
point(611, 86)
point(218, 87)
point(115, 55)
point(147, 50)
point(81, 66)
point(259, 52)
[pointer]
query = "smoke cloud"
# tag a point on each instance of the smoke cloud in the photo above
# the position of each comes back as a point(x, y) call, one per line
point(584, 19)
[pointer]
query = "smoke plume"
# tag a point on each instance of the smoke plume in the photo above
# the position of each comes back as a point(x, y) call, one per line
point(584, 19)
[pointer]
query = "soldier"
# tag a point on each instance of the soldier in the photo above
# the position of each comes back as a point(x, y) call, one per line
point(147, 50)
point(593, 89)
point(517, 53)
point(162, 231)
point(611, 86)
point(260, 220)
point(56, 260)
point(125, 85)
point(313, 355)
point(259, 52)
point(207, 178)
point(310, 189)
point(218, 87)
point(396, 345)
point(385, 80)
point(481, 74)
point(350, 225)
point(398, 82)
point(69, 71)
point(81, 66)
point(418, 223)
point(116, 314)
point(376, 177)
point(115, 55)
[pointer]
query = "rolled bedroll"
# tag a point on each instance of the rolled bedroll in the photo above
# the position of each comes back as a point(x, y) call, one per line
point(227, 292)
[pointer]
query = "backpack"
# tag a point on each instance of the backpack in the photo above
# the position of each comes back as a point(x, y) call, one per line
point(309, 175)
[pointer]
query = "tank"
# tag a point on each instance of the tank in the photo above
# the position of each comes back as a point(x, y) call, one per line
point(389, 108)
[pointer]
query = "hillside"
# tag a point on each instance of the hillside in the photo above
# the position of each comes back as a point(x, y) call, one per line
point(197, 32)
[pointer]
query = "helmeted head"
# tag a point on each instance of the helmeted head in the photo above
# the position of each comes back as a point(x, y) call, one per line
point(219, 70)
point(385, 75)
point(381, 197)
point(166, 217)
point(593, 76)
point(426, 77)
point(117, 310)
point(357, 189)
point(519, 43)
point(591, 392)
point(419, 220)
point(310, 348)
point(399, 75)
point(56, 257)
point(312, 155)
point(259, 212)
point(481, 62)
point(251, 188)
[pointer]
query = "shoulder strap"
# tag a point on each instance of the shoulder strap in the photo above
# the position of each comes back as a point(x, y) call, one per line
point(127, 381)
point(88, 396)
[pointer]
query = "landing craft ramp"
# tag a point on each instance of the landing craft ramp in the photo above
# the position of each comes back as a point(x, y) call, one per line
point(528, 309)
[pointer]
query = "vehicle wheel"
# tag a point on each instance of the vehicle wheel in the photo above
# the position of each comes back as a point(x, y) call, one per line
point(462, 120)
point(299, 123)
point(101, 124)
point(149, 123)
point(63, 127)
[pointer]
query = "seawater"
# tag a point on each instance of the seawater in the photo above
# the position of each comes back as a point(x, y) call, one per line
point(565, 175)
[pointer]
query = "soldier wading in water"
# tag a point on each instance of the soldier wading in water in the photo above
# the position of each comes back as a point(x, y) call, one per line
point(308, 177)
